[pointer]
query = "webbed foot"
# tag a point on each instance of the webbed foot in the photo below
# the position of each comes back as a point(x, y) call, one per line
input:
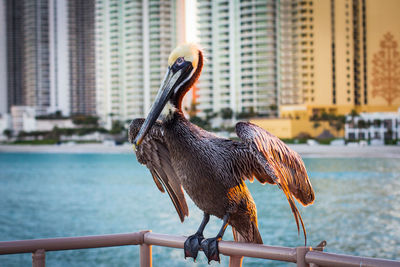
point(192, 245)
point(210, 248)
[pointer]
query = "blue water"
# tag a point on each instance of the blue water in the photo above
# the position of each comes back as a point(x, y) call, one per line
point(357, 208)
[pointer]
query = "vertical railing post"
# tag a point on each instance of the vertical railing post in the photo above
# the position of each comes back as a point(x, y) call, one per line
point(301, 256)
point(39, 258)
point(145, 255)
point(235, 261)
point(145, 252)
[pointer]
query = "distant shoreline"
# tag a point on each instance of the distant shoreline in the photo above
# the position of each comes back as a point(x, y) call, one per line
point(326, 151)
point(74, 149)
point(306, 151)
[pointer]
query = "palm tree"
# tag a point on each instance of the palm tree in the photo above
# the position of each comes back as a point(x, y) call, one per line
point(8, 133)
point(226, 113)
point(316, 125)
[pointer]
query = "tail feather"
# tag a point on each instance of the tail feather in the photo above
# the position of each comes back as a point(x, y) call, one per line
point(285, 188)
point(237, 236)
point(254, 237)
point(296, 215)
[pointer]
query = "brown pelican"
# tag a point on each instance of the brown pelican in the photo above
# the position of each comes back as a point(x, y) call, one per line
point(213, 170)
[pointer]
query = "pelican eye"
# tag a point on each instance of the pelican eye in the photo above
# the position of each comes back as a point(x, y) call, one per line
point(180, 61)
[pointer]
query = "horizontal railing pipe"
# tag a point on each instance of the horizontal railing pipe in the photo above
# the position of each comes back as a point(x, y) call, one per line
point(66, 243)
point(171, 241)
point(331, 259)
point(301, 255)
point(228, 248)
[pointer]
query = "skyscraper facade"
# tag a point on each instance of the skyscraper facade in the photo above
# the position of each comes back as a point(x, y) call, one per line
point(133, 42)
point(36, 67)
point(327, 56)
point(3, 61)
point(287, 46)
point(81, 31)
point(342, 56)
point(15, 52)
point(59, 57)
point(239, 42)
point(346, 56)
point(50, 56)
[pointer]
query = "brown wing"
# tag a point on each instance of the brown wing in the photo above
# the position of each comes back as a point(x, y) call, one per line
point(155, 155)
point(283, 166)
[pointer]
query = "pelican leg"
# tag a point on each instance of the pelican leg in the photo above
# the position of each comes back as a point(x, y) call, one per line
point(210, 245)
point(192, 243)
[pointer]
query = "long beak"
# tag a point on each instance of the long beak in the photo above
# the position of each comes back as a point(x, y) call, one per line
point(164, 94)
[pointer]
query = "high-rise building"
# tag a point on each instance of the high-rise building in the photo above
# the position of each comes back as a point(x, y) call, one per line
point(133, 42)
point(15, 53)
point(287, 46)
point(59, 57)
point(3, 61)
point(81, 32)
point(306, 56)
point(50, 56)
point(36, 67)
point(239, 42)
point(346, 56)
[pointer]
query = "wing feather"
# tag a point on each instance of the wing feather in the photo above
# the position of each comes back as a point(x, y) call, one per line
point(154, 153)
point(283, 166)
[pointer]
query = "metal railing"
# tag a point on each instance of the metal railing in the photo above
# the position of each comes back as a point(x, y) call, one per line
point(303, 256)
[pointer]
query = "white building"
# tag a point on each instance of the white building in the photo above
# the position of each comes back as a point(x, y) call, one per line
point(50, 124)
point(3, 61)
point(239, 42)
point(23, 119)
point(133, 42)
point(379, 126)
point(59, 57)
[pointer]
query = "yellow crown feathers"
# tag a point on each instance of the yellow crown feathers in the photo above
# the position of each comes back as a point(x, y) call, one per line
point(190, 52)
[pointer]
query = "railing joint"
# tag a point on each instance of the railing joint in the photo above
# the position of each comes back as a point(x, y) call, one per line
point(301, 256)
point(142, 236)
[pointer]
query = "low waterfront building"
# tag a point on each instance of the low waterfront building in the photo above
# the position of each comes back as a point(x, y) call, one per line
point(382, 126)
point(50, 124)
point(23, 118)
point(289, 128)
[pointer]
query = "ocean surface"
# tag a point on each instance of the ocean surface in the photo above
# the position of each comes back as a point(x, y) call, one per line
point(357, 208)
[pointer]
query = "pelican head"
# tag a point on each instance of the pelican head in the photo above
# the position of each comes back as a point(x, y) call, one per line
point(184, 66)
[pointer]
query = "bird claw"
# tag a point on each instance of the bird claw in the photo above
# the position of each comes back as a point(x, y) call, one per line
point(210, 248)
point(192, 246)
